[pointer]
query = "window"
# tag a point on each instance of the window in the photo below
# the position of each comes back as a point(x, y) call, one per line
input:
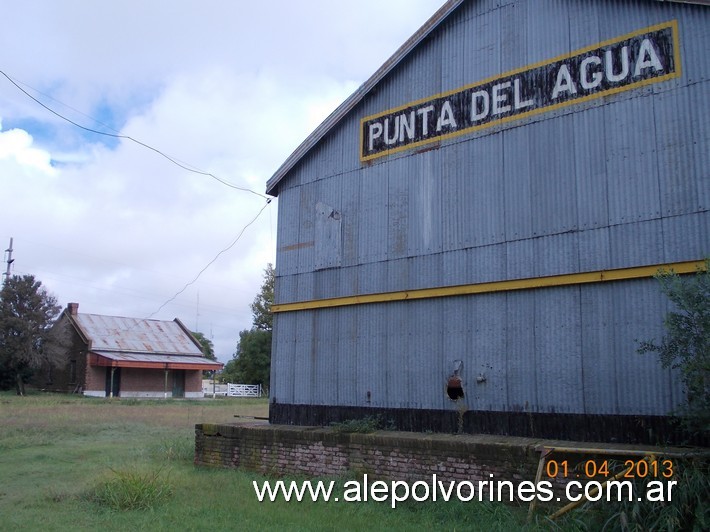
point(72, 371)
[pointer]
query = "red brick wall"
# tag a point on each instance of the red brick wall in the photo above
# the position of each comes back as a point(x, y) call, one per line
point(139, 382)
point(145, 380)
point(95, 380)
point(283, 450)
point(193, 381)
point(153, 380)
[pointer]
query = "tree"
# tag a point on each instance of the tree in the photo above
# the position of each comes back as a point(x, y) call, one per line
point(206, 345)
point(251, 363)
point(27, 339)
point(686, 345)
point(261, 307)
point(207, 348)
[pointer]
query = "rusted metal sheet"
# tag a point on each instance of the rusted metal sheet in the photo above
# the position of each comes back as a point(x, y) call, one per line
point(110, 333)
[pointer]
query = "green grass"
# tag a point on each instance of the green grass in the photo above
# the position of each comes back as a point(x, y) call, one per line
point(73, 463)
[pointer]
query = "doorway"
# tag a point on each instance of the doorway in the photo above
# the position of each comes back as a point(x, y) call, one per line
point(179, 383)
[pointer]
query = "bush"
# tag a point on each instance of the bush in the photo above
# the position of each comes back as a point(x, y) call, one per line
point(686, 345)
point(364, 425)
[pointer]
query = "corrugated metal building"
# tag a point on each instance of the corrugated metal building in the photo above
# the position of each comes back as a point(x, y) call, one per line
point(489, 209)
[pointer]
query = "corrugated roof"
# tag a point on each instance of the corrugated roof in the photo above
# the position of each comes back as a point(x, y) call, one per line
point(355, 98)
point(125, 335)
point(157, 360)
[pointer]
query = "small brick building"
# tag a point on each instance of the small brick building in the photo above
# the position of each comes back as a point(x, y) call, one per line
point(110, 356)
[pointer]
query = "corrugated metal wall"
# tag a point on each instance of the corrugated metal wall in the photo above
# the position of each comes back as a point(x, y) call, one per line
point(619, 181)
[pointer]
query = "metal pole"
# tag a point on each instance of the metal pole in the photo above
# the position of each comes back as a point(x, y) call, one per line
point(10, 260)
point(111, 385)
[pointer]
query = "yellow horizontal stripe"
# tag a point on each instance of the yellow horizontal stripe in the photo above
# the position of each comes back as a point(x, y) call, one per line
point(620, 274)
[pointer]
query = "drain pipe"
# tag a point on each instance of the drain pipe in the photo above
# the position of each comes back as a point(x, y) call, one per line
point(110, 394)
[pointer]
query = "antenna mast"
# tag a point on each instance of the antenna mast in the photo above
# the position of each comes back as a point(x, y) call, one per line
point(9, 260)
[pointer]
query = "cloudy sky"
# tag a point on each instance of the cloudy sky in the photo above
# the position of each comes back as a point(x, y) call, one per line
point(228, 87)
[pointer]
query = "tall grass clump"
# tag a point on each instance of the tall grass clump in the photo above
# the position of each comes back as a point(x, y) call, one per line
point(175, 449)
point(132, 490)
point(363, 426)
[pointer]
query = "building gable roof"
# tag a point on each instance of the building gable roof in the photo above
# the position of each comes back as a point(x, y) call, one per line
point(109, 333)
point(322, 130)
point(138, 343)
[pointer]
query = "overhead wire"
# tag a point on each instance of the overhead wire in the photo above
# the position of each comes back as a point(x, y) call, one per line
point(169, 158)
point(128, 137)
point(230, 246)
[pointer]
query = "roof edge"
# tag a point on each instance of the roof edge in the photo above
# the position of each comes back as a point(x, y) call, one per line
point(74, 323)
point(322, 130)
point(103, 358)
point(357, 96)
point(189, 333)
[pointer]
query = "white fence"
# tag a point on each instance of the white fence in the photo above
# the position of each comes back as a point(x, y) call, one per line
point(210, 389)
point(243, 390)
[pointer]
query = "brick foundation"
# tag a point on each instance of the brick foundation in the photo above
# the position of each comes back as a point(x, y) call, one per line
point(281, 450)
point(284, 450)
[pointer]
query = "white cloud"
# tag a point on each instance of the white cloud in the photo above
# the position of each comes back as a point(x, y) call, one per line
point(16, 145)
point(229, 87)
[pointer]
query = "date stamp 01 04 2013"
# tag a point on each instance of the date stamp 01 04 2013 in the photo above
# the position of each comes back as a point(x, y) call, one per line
point(595, 469)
